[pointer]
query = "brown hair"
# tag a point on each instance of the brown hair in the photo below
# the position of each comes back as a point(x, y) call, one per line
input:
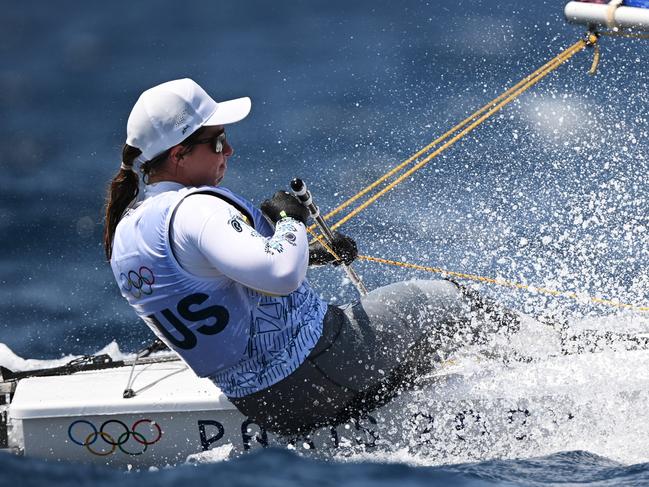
point(124, 187)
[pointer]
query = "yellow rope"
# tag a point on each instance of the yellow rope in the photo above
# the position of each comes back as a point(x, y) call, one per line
point(503, 282)
point(462, 129)
point(596, 57)
point(437, 141)
point(553, 65)
point(446, 135)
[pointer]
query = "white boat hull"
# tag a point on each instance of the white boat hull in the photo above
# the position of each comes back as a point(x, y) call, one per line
point(489, 411)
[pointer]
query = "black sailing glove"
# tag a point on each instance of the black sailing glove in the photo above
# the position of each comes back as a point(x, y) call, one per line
point(344, 246)
point(283, 205)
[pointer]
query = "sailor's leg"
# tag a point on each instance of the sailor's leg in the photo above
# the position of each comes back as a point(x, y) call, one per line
point(507, 334)
point(410, 326)
point(381, 331)
point(307, 398)
point(363, 347)
point(369, 350)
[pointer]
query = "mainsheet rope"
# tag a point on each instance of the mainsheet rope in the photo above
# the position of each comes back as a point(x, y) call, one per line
point(491, 280)
point(612, 33)
point(460, 130)
point(506, 283)
point(457, 133)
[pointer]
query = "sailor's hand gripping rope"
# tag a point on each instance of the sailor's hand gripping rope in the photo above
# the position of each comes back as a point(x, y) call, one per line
point(299, 189)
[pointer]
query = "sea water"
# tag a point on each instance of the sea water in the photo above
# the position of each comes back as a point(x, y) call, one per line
point(551, 192)
point(575, 420)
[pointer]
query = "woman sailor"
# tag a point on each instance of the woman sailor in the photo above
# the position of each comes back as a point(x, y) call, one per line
point(223, 283)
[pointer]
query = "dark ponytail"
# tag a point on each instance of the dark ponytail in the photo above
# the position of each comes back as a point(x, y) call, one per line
point(123, 189)
point(125, 186)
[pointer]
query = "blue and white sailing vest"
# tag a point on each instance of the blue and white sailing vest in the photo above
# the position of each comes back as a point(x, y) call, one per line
point(244, 340)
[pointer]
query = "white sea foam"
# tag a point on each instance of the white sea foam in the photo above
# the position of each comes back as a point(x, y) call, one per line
point(482, 407)
point(214, 455)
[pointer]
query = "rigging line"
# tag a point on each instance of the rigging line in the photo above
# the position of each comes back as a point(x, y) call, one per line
point(511, 284)
point(611, 33)
point(562, 58)
point(157, 381)
point(596, 58)
point(522, 85)
point(440, 139)
point(444, 136)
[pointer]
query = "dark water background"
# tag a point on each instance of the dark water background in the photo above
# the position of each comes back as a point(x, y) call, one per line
point(285, 469)
point(551, 192)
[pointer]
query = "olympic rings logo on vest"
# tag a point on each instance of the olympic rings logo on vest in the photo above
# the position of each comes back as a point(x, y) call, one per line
point(138, 282)
point(101, 442)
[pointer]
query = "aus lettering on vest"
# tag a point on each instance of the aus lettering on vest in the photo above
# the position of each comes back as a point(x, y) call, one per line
point(217, 316)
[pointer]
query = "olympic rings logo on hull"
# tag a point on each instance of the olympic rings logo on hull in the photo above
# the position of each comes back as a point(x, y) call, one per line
point(138, 282)
point(101, 442)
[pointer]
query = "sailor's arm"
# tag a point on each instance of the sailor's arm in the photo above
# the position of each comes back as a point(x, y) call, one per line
point(344, 247)
point(275, 265)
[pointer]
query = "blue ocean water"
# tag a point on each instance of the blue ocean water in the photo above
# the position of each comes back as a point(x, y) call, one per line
point(276, 467)
point(551, 192)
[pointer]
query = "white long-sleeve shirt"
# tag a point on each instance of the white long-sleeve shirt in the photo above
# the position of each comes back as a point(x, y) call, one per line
point(205, 245)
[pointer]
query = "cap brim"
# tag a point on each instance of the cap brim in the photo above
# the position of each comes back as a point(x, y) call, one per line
point(230, 111)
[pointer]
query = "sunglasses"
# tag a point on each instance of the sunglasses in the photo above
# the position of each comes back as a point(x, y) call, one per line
point(217, 142)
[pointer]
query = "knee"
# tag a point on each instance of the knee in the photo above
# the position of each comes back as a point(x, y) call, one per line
point(436, 289)
point(442, 299)
point(433, 301)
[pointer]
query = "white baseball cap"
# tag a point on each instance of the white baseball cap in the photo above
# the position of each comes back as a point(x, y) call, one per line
point(167, 114)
